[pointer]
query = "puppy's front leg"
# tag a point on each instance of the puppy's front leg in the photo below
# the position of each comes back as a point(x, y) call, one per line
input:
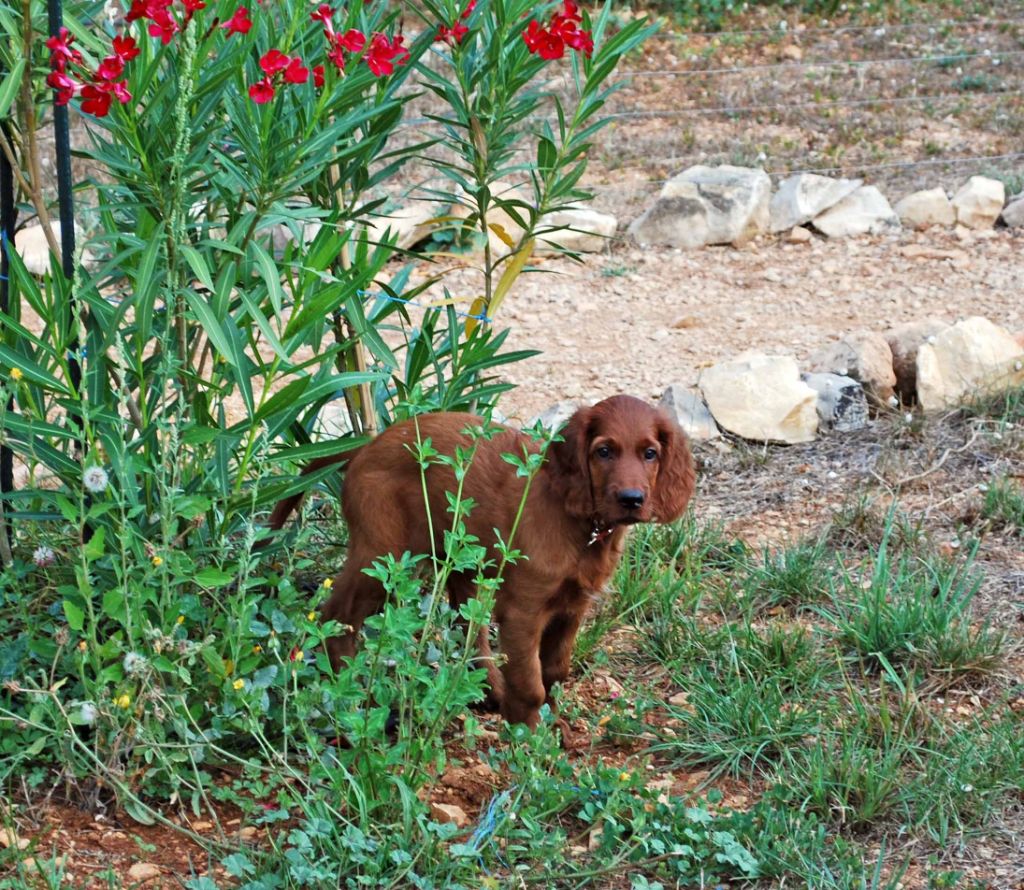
point(520, 634)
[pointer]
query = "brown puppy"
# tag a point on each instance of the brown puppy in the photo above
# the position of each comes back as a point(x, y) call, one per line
point(619, 463)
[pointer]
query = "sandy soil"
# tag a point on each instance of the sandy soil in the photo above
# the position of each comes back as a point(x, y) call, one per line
point(636, 320)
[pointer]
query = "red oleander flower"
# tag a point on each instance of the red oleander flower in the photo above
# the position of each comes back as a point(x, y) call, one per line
point(61, 52)
point(323, 13)
point(273, 61)
point(318, 76)
point(192, 7)
point(111, 68)
point(336, 55)
point(164, 26)
point(59, 80)
point(125, 48)
point(239, 23)
point(352, 40)
point(454, 34)
point(540, 41)
point(120, 90)
point(295, 72)
point(384, 54)
point(262, 91)
point(95, 101)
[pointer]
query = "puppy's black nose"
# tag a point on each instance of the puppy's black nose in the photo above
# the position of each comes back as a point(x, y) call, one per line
point(631, 498)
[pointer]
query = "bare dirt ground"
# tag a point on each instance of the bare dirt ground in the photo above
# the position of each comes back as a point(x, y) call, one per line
point(637, 320)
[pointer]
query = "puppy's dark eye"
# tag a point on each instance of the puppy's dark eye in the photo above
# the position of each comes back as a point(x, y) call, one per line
point(650, 454)
point(603, 452)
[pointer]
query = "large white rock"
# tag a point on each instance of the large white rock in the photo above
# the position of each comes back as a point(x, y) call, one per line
point(557, 415)
point(866, 357)
point(586, 231)
point(407, 225)
point(929, 207)
point(972, 357)
point(761, 397)
point(904, 342)
point(978, 202)
point(803, 196)
point(687, 408)
point(707, 205)
point(865, 211)
point(1013, 213)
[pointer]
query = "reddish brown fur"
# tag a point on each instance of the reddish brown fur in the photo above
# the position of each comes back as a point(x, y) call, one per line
point(607, 450)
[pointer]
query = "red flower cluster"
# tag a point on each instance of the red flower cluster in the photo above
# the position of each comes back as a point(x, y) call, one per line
point(97, 88)
point(456, 32)
point(239, 23)
point(158, 12)
point(274, 63)
point(381, 56)
point(563, 31)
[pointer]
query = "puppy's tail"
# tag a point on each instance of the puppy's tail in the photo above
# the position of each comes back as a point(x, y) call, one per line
point(286, 506)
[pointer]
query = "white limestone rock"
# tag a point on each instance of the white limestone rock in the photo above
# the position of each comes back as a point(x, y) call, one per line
point(866, 357)
point(978, 202)
point(973, 357)
point(804, 196)
point(762, 398)
point(928, 207)
point(688, 409)
point(707, 205)
point(904, 342)
point(865, 211)
point(1013, 213)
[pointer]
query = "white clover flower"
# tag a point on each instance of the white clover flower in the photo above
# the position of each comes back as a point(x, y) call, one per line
point(44, 556)
point(96, 480)
point(135, 664)
point(88, 712)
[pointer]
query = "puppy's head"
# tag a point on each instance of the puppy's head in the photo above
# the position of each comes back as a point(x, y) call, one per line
point(623, 461)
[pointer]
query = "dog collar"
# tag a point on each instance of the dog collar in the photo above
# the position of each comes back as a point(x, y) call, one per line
point(599, 533)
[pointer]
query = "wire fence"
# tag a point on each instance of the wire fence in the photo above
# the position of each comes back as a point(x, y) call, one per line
point(850, 104)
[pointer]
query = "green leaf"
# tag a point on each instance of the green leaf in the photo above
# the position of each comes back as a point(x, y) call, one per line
point(138, 811)
point(198, 264)
point(113, 604)
point(212, 326)
point(31, 370)
point(214, 577)
point(75, 615)
point(271, 275)
point(94, 548)
point(10, 86)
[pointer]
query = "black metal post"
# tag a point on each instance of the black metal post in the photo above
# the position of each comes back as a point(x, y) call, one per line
point(8, 217)
point(65, 200)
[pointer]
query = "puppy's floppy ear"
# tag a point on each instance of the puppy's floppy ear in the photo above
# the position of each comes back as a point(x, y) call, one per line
point(676, 478)
point(570, 464)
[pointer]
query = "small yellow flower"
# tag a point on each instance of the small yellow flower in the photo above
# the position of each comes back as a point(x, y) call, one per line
point(16, 374)
point(257, 648)
point(624, 777)
point(311, 616)
point(158, 561)
point(180, 619)
point(328, 583)
point(605, 719)
point(123, 701)
point(83, 646)
point(239, 684)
